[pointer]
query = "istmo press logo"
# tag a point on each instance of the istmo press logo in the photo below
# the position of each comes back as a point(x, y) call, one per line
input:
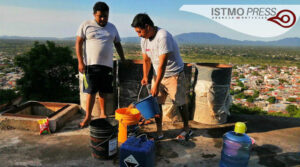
point(255, 20)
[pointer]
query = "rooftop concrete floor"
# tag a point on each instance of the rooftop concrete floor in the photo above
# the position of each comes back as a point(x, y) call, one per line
point(277, 145)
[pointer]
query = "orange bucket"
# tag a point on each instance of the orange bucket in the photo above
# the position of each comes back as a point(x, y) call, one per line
point(126, 116)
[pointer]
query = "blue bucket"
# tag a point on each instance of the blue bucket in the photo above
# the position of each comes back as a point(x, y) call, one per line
point(148, 107)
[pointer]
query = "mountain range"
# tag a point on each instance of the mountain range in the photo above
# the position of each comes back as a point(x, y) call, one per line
point(200, 38)
point(195, 38)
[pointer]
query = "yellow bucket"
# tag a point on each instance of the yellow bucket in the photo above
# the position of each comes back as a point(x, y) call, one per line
point(126, 116)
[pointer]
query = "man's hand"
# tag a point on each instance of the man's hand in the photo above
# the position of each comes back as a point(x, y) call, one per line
point(81, 68)
point(154, 90)
point(144, 81)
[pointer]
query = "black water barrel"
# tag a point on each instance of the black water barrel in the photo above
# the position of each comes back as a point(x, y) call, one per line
point(103, 135)
point(212, 93)
point(129, 79)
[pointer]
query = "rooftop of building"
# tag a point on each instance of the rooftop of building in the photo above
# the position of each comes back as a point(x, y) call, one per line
point(277, 144)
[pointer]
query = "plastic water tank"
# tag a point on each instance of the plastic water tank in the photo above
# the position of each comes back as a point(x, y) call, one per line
point(236, 147)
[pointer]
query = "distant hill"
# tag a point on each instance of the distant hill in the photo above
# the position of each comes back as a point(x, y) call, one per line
point(204, 38)
point(126, 39)
point(200, 38)
point(213, 39)
point(190, 38)
point(37, 38)
point(285, 42)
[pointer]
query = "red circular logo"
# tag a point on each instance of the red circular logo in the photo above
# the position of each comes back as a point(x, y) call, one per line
point(284, 18)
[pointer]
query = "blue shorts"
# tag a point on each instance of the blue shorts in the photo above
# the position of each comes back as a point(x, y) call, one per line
point(99, 79)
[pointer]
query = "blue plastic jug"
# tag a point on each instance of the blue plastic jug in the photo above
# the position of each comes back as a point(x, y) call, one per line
point(138, 152)
point(236, 147)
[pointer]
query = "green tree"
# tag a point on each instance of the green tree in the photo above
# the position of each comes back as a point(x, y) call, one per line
point(250, 99)
point(255, 73)
point(291, 99)
point(6, 95)
point(240, 84)
point(237, 91)
point(256, 94)
point(239, 109)
point(49, 73)
point(231, 92)
point(263, 67)
point(235, 74)
point(278, 69)
point(292, 110)
point(271, 99)
point(240, 96)
point(260, 81)
point(282, 81)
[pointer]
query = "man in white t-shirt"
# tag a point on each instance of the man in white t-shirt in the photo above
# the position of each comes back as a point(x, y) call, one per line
point(95, 38)
point(160, 49)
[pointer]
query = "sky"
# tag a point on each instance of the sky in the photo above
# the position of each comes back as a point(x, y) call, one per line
point(61, 18)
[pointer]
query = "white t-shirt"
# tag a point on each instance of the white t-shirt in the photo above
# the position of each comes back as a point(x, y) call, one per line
point(98, 42)
point(163, 43)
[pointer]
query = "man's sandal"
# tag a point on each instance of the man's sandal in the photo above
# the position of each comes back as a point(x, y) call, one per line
point(184, 136)
point(143, 121)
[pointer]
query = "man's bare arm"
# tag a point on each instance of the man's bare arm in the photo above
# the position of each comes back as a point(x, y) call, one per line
point(78, 46)
point(119, 49)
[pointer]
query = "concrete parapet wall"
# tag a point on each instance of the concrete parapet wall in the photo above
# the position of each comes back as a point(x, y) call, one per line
point(26, 121)
point(127, 79)
point(127, 85)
